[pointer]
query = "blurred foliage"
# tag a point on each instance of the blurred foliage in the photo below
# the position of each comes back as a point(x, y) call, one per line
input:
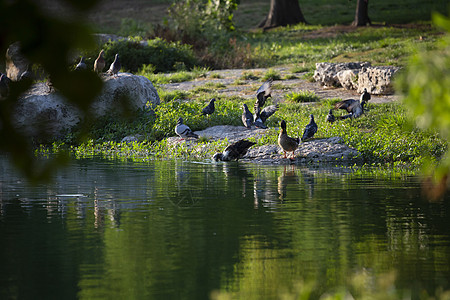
point(46, 41)
point(426, 86)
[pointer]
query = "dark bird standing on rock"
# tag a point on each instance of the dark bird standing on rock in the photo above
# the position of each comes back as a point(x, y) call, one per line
point(287, 143)
point(330, 117)
point(115, 66)
point(183, 130)
point(263, 93)
point(310, 129)
point(234, 151)
point(4, 86)
point(27, 74)
point(257, 121)
point(99, 63)
point(247, 117)
point(81, 65)
point(210, 108)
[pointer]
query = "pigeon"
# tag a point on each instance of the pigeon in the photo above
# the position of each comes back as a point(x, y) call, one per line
point(354, 107)
point(257, 121)
point(115, 66)
point(234, 151)
point(268, 111)
point(183, 130)
point(81, 65)
point(209, 109)
point(287, 143)
point(264, 92)
point(330, 117)
point(99, 63)
point(310, 130)
point(27, 74)
point(49, 83)
point(247, 117)
point(365, 96)
point(4, 86)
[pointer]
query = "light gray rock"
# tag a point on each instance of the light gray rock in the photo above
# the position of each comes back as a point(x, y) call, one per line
point(377, 80)
point(133, 138)
point(348, 79)
point(48, 115)
point(326, 73)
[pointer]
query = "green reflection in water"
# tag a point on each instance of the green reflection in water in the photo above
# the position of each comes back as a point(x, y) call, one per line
point(184, 230)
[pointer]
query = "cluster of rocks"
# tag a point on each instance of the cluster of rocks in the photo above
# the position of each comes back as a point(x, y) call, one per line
point(356, 76)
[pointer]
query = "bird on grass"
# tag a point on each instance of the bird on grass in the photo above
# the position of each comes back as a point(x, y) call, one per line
point(81, 65)
point(210, 108)
point(234, 151)
point(99, 63)
point(287, 143)
point(267, 111)
point(247, 117)
point(330, 117)
point(263, 93)
point(115, 66)
point(310, 129)
point(184, 131)
point(365, 96)
point(4, 86)
point(354, 107)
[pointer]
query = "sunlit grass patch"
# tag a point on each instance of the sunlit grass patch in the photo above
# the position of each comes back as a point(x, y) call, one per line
point(302, 96)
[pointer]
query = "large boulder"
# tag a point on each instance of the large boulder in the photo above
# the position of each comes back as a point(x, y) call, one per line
point(47, 115)
point(377, 80)
point(326, 73)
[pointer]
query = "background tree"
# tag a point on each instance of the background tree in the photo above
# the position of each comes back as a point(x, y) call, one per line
point(362, 14)
point(282, 13)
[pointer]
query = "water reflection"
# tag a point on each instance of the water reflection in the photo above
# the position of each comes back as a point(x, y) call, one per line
point(179, 229)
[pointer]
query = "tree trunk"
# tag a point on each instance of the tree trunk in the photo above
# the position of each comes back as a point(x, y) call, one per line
point(282, 13)
point(362, 15)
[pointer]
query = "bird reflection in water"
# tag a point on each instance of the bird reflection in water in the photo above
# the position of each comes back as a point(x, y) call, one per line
point(287, 177)
point(309, 181)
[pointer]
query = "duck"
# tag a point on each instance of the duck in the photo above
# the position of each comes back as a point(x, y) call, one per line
point(183, 130)
point(115, 66)
point(330, 117)
point(310, 129)
point(210, 108)
point(287, 143)
point(247, 117)
point(234, 151)
point(99, 63)
point(264, 92)
point(81, 65)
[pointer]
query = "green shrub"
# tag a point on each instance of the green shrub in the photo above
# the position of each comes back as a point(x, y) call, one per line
point(162, 55)
point(302, 96)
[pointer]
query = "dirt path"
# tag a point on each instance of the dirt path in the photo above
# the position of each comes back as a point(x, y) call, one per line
point(247, 88)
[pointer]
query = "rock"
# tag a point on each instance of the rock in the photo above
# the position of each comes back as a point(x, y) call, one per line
point(137, 89)
point(326, 73)
point(377, 80)
point(348, 79)
point(16, 63)
point(48, 115)
point(133, 138)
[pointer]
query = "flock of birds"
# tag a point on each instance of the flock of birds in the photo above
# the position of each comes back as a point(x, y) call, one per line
point(237, 150)
point(99, 65)
point(258, 119)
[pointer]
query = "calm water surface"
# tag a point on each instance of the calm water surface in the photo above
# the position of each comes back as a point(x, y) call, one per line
point(186, 230)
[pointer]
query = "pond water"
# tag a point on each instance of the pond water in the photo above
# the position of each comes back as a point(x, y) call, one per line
point(190, 230)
